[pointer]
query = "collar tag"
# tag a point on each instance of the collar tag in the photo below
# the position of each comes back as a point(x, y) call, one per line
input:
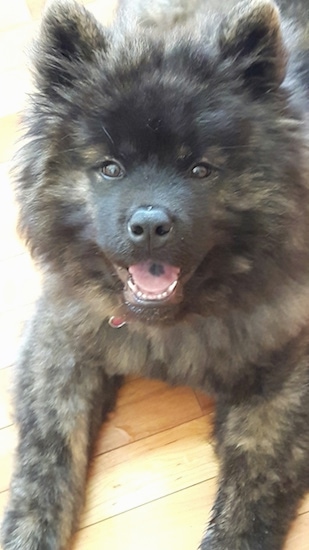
point(116, 322)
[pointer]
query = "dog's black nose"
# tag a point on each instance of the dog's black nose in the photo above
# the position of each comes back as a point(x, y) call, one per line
point(150, 225)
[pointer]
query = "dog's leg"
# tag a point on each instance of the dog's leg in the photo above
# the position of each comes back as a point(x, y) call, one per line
point(263, 450)
point(60, 402)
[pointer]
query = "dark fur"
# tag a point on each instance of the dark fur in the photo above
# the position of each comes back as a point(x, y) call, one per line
point(229, 89)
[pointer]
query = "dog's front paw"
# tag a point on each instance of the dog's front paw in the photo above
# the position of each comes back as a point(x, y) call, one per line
point(211, 542)
point(230, 540)
point(27, 532)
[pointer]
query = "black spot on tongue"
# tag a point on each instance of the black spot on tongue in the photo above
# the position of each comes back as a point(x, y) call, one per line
point(156, 270)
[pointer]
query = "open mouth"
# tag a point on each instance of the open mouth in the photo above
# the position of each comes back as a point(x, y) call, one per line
point(150, 282)
point(142, 295)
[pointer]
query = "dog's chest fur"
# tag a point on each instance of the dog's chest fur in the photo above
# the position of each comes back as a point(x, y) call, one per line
point(214, 353)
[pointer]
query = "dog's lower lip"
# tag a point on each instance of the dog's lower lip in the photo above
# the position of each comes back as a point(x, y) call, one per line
point(151, 296)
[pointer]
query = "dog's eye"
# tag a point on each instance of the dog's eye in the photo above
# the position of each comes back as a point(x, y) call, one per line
point(200, 171)
point(112, 169)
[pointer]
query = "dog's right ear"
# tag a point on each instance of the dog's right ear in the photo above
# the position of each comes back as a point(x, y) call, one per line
point(69, 35)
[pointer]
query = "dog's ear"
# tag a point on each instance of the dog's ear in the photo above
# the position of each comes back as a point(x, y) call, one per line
point(252, 37)
point(69, 35)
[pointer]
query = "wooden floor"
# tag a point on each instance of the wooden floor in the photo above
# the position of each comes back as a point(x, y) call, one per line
point(153, 477)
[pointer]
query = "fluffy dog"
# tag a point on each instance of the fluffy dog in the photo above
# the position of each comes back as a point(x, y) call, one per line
point(164, 191)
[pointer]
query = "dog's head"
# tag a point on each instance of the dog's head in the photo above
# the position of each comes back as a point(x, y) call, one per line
point(159, 164)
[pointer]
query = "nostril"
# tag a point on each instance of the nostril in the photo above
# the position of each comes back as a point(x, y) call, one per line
point(137, 229)
point(163, 229)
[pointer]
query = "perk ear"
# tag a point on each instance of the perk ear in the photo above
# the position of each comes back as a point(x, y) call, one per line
point(69, 35)
point(252, 37)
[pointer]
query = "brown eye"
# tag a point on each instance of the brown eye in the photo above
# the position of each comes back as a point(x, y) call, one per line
point(111, 169)
point(201, 171)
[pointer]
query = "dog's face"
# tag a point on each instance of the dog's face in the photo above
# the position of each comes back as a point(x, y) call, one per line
point(158, 189)
point(165, 162)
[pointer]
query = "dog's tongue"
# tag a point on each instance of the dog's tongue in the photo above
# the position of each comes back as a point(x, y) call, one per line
point(153, 276)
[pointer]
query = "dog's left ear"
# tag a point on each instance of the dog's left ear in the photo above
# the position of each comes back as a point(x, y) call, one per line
point(252, 37)
point(69, 35)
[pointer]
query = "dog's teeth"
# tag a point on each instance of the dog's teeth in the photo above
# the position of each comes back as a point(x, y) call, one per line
point(131, 285)
point(172, 286)
point(151, 297)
